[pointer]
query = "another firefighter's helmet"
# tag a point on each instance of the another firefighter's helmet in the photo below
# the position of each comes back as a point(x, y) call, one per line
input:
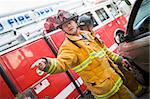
point(64, 16)
point(85, 20)
point(49, 25)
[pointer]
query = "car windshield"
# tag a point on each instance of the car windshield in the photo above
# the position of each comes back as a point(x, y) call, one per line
point(143, 13)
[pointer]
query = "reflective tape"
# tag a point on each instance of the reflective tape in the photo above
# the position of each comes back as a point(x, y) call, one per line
point(112, 91)
point(101, 54)
point(85, 63)
point(114, 57)
point(53, 66)
point(138, 90)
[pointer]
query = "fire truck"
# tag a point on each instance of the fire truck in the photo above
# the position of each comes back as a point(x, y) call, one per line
point(23, 42)
point(108, 21)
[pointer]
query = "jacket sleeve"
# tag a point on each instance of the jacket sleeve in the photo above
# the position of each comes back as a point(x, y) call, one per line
point(113, 56)
point(66, 59)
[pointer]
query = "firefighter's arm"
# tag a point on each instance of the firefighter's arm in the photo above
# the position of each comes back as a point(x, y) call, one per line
point(113, 56)
point(119, 60)
point(66, 58)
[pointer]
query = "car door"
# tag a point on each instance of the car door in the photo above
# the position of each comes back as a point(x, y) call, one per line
point(135, 45)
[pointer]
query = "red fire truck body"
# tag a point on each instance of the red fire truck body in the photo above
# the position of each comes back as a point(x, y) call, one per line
point(18, 63)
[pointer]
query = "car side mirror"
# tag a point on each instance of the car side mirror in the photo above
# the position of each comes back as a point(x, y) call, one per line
point(119, 37)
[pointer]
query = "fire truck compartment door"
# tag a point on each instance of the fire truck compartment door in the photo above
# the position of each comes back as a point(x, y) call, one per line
point(19, 62)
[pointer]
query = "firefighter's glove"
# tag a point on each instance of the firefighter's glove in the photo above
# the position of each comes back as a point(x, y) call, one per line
point(43, 64)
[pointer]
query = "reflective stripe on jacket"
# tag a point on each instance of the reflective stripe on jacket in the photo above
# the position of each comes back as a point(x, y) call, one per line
point(112, 91)
point(52, 66)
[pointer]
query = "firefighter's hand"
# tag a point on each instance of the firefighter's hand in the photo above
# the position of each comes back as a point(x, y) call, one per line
point(42, 64)
point(126, 63)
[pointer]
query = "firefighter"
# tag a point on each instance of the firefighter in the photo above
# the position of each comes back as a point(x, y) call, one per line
point(89, 58)
point(85, 22)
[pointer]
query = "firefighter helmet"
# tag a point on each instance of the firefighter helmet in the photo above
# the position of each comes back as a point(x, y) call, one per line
point(49, 25)
point(85, 20)
point(64, 16)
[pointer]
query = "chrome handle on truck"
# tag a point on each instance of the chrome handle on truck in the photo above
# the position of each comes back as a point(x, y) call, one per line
point(39, 72)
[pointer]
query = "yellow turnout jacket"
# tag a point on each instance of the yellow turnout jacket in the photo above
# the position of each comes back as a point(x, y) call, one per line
point(92, 61)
